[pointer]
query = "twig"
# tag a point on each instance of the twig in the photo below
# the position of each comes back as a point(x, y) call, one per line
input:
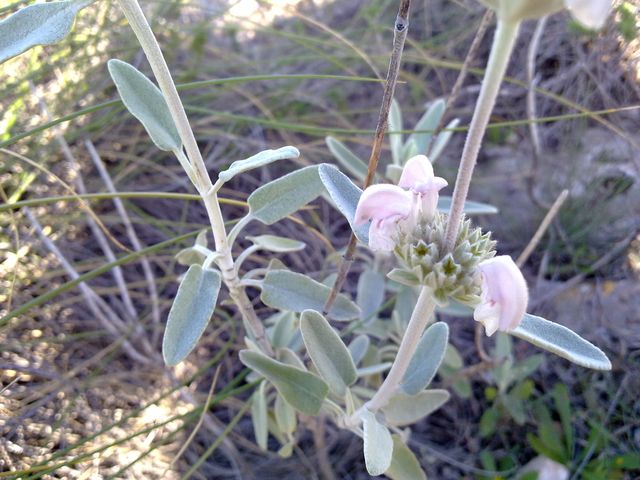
point(399, 37)
point(479, 337)
point(324, 462)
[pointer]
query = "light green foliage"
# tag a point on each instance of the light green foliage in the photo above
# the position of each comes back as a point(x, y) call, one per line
point(378, 444)
point(470, 207)
point(347, 158)
point(328, 352)
point(426, 127)
point(283, 330)
point(192, 308)
point(304, 391)
point(296, 292)
point(259, 415)
point(404, 464)
point(442, 139)
point(405, 409)
point(427, 358)
point(38, 24)
point(277, 244)
point(145, 102)
point(395, 139)
point(358, 348)
point(561, 341)
point(282, 197)
point(258, 160)
point(370, 296)
point(197, 254)
point(285, 416)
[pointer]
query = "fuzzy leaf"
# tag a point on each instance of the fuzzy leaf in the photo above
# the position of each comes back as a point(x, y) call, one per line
point(427, 125)
point(285, 415)
point(407, 409)
point(404, 464)
point(378, 444)
point(258, 160)
point(259, 416)
point(358, 348)
point(304, 391)
point(470, 208)
point(442, 139)
point(273, 243)
point(427, 358)
point(328, 352)
point(561, 341)
point(192, 308)
point(395, 139)
point(370, 295)
point(347, 158)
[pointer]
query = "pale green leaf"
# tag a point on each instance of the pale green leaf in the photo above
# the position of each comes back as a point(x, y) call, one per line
point(345, 195)
point(281, 197)
point(296, 292)
point(259, 416)
point(285, 415)
point(409, 149)
point(378, 444)
point(403, 277)
point(327, 352)
point(347, 158)
point(38, 24)
point(470, 207)
point(452, 358)
point(427, 125)
point(284, 329)
point(373, 369)
point(395, 125)
point(358, 348)
point(456, 309)
point(427, 358)
point(370, 294)
point(288, 356)
point(190, 313)
point(442, 139)
point(258, 160)
point(561, 341)
point(405, 409)
point(304, 391)
point(190, 256)
point(393, 173)
point(404, 464)
point(277, 244)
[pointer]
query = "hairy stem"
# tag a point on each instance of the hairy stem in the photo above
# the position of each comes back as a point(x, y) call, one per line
point(503, 43)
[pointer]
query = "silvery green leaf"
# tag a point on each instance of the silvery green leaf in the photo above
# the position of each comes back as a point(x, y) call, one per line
point(406, 299)
point(346, 195)
point(405, 409)
point(378, 444)
point(304, 391)
point(427, 358)
point(455, 309)
point(404, 464)
point(373, 369)
point(284, 329)
point(281, 197)
point(288, 356)
point(442, 139)
point(347, 158)
point(370, 294)
point(296, 292)
point(403, 277)
point(358, 348)
point(190, 313)
point(190, 256)
point(38, 24)
point(259, 416)
point(409, 149)
point(427, 125)
point(201, 238)
point(273, 243)
point(393, 173)
point(452, 358)
point(258, 160)
point(145, 102)
point(327, 352)
point(561, 341)
point(395, 125)
point(285, 415)
point(470, 208)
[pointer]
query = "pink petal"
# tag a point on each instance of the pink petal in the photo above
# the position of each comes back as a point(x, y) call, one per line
point(417, 170)
point(382, 201)
point(591, 13)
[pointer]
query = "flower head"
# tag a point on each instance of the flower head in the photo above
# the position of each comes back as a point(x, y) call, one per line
point(504, 297)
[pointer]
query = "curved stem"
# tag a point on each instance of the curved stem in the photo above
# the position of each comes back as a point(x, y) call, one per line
point(503, 43)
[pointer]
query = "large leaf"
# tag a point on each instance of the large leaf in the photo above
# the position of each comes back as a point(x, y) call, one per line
point(378, 444)
point(190, 313)
point(145, 102)
point(426, 359)
point(328, 352)
point(407, 409)
point(259, 416)
point(39, 24)
point(345, 195)
point(258, 160)
point(370, 295)
point(296, 292)
point(404, 464)
point(347, 158)
point(561, 341)
point(285, 195)
point(304, 391)
point(274, 243)
point(395, 139)
point(470, 207)
point(427, 125)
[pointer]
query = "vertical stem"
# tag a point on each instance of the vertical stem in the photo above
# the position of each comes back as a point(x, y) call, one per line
point(420, 318)
point(503, 42)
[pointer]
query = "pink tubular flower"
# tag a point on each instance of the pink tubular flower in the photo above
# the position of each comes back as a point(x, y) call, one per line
point(504, 295)
point(418, 177)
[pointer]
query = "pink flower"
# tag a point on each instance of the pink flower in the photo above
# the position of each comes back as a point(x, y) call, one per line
point(395, 209)
point(504, 295)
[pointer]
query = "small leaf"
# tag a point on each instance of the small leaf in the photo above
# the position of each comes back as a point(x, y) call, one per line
point(288, 356)
point(345, 195)
point(145, 102)
point(427, 358)
point(347, 158)
point(407, 409)
point(442, 139)
point(370, 294)
point(452, 358)
point(281, 197)
point(403, 277)
point(304, 391)
point(561, 341)
point(378, 444)
point(39, 24)
point(404, 464)
point(327, 351)
point(259, 416)
point(273, 243)
point(285, 415)
point(427, 125)
point(395, 139)
point(296, 292)
point(374, 369)
point(192, 308)
point(489, 422)
point(358, 348)
point(258, 160)
point(190, 256)
point(470, 208)
point(409, 150)
point(284, 329)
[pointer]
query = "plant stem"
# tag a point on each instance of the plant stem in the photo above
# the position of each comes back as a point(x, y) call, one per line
point(420, 318)
point(503, 42)
point(149, 44)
